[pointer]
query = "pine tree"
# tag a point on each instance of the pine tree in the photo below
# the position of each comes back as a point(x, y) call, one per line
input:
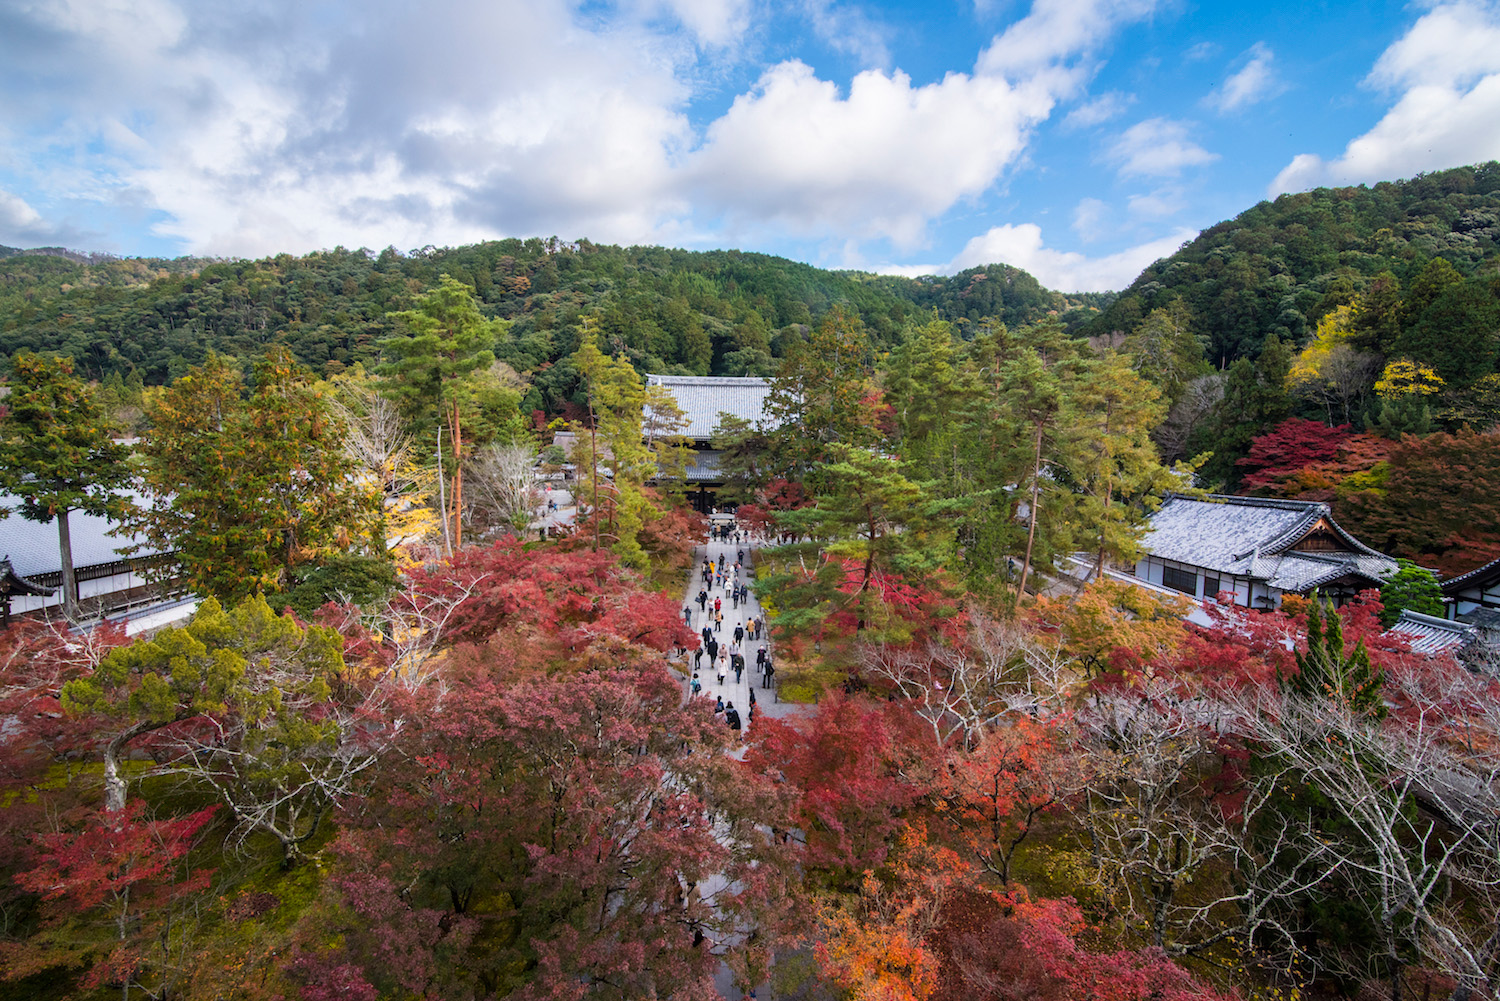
point(444, 341)
point(57, 453)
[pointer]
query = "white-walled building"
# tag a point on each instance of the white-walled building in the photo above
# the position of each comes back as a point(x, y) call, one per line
point(1257, 548)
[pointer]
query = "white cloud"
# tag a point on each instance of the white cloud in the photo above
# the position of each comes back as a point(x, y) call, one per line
point(1450, 46)
point(712, 22)
point(285, 126)
point(1157, 147)
point(1066, 271)
point(1253, 82)
point(849, 30)
point(1157, 204)
point(1056, 30)
point(23, 226)
point(1449, 63)
point(879, 162)
point(1101, 109)
point(1089, 217)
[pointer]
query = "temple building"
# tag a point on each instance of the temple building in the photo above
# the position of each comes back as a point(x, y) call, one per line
point(1258, 549)
point(110, 579)
point(703, 399)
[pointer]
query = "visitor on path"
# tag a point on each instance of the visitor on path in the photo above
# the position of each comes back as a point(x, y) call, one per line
point(770, 670)
point(739, 668)
point(718, 604)
point(707, 633)
point(718, 704)
point(687, 615)
point(739, 634)
point(697, 686)
point(697, 658)
point(760, 659)
point(752, 698)
point(702, 600)
point(723, 666)
point(718, 621)
point(733, 717)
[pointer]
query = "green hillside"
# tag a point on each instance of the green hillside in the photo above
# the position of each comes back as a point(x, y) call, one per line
point(1280, 266)
point(719, 312)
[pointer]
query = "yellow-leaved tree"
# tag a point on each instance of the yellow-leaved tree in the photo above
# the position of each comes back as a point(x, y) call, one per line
point(1330, 370)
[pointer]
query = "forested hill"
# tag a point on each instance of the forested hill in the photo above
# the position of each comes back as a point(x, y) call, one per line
point(719, 312)
point(1280, 266)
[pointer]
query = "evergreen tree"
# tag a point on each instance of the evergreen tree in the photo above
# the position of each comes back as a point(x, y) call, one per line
point(430, 365)
point(57, 453)
point(1410, 587)
point(1326, 673)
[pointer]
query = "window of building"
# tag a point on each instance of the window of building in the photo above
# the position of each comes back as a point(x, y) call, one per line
point(1211, 587)
point(1179, 580)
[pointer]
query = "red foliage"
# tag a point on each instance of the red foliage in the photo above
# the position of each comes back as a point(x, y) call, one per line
point(123, 871)
point(1286, 449)
point(1440, 505)
point(550, 604)
point(591, 804)
point(786, 495)
point(845, 763)
point(1029, 951)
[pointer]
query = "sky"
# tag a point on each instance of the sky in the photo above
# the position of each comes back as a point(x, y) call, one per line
point(1078, 139)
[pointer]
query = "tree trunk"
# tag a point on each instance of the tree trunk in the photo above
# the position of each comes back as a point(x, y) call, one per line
point(69, 580)
point(114, 782)
point(458, 480)
point(1036, 483)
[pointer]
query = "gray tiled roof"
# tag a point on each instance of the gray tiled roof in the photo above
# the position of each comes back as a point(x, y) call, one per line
point(703, 398)
point(704, 467)
point(1430, 634)
point(1478, 577)
point(1253, 536)
point(33, 549)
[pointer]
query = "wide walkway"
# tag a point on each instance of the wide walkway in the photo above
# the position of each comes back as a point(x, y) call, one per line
point(733, 692)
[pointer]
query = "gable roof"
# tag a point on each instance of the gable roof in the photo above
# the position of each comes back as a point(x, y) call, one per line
point(32, 547)
point(1253, 537)
point(702, 398)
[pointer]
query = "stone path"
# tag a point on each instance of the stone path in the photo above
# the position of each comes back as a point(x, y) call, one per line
point(733, 692)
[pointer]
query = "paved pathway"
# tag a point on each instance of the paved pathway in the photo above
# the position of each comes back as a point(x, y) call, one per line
point(733, 692)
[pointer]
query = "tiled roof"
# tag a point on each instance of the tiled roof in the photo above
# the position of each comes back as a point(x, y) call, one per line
point(1252, 536)
point(32, 546)
point(704, 467)
point(1430, 634)
point(1478, 577)
point(703, 398)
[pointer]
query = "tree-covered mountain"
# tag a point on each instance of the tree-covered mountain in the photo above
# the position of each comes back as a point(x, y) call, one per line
point(676, 311)
point(1279, 267)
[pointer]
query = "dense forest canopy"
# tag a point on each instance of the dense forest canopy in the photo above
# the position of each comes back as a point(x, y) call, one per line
point(1279, 267)
point(672, 311)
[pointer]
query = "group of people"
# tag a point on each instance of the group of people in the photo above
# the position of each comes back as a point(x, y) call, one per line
point(722, 573)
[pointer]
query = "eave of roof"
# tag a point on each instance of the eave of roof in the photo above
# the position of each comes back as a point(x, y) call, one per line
point(1479, 576)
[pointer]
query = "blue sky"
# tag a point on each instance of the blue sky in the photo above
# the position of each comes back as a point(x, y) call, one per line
point(1079, 139)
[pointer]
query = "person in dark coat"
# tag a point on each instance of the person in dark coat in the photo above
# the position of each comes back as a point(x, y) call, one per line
point(713, 648)
point(697, 657)
point(770, 670)
point(739, 668)
point(718, 704)
point(739, 633)
point(733, 717)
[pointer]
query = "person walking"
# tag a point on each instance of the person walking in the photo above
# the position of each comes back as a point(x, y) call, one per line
point(723, 666)
point(697, 686)
point(718, 621)
point(770, 670)
point(739, 633)
point(718, 604)
point(687, 615)
point(739, 668)
point(697, 658)
point(713, 650)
